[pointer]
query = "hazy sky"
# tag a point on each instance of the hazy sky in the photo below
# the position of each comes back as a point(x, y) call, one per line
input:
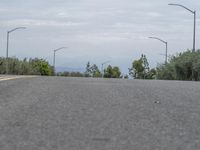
point(96, 30)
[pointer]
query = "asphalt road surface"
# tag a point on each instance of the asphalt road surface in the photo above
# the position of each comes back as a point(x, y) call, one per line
point(52, 113)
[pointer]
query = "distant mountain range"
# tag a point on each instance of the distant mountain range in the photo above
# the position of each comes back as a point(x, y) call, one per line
point(62, 69)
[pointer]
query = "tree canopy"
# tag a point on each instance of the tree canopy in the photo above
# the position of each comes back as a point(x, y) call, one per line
point(112, 72)
point(140, 69)
point(92, 71)
point(183, 66)
point(26, 67)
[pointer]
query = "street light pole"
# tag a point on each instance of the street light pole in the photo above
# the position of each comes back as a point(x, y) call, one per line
point(102, 67)
point(194, 32)
point(166, 47)
point(54, 57)
point(166, 52)
point(54, 60)
point(7, 46)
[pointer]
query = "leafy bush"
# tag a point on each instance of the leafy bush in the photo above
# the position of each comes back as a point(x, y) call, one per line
point(183, 66)
point(26, 67)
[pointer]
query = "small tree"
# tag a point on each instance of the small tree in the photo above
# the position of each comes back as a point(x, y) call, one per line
point(112, 72)
point(88, 70)
point(95, 71)
point(140, 69)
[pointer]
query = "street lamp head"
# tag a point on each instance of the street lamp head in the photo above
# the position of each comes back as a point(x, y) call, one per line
point(172, 4)
point(151, 37)
point(59, 49)
point(158, 39)
point(16, 29)
point(21, 27)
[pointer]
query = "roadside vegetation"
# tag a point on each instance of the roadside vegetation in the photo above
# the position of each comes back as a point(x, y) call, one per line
point(93, 71)
point(26, 67)
point(140, 69)
point(182, 66)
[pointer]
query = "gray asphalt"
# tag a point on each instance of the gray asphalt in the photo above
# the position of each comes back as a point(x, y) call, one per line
point(52, 113)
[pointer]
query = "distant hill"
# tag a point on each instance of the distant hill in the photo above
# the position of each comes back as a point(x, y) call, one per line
point(62, 69)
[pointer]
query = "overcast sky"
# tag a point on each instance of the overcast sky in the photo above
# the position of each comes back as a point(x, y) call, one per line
point(96, 30)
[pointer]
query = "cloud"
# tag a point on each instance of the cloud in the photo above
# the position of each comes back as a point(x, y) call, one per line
point(32, 22)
